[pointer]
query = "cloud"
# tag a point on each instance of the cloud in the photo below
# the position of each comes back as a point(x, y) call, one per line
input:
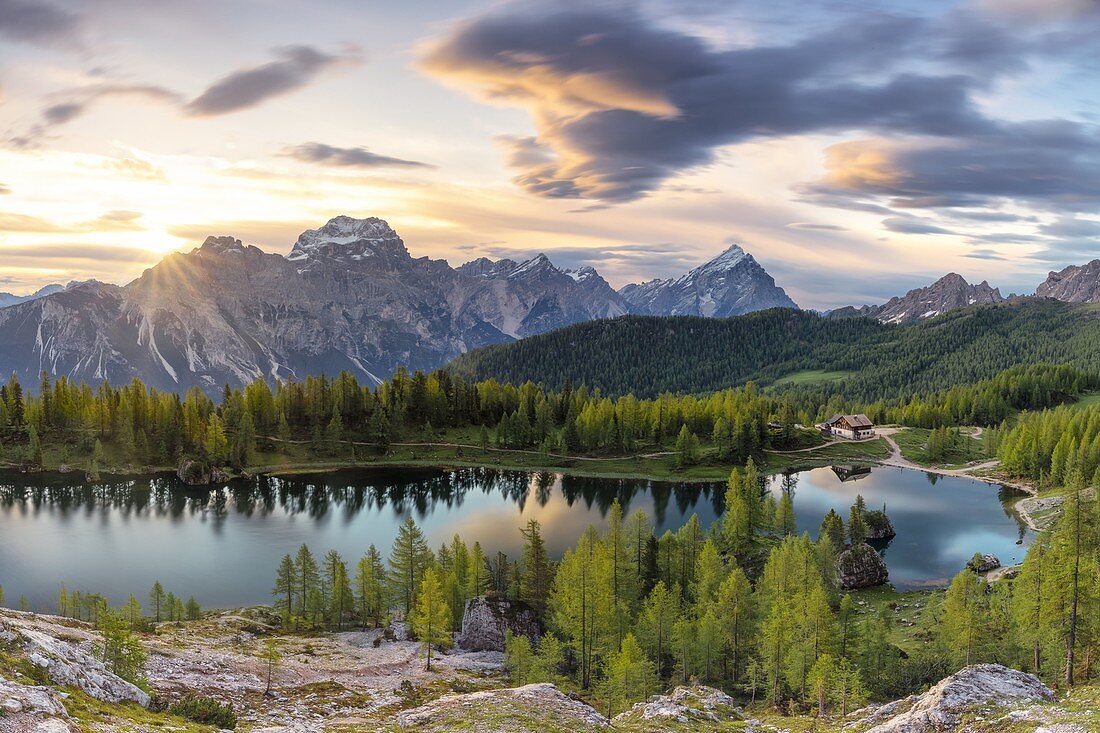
point(110, 221)
point(76, 251)
point(815, 227)
point(912, 225)
point(40, 23)
point(296, 67)
point(984, 254)
point(77, 103)
point(621, 105)
point(351, 157)
point(272, 235)
point(4, 189)
point(1049, 164)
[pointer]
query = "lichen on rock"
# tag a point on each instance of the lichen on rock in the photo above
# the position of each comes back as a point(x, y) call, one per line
point(486, 620)
point(860, 566)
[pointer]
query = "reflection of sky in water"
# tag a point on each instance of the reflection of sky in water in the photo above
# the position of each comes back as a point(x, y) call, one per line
point(223, 546)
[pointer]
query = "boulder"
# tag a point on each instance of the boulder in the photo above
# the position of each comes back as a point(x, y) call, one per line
point(29, 708)
point(698, 705)
point(983, 563)
point(535, 707)
point(70, 666)
point(860, 566)
point(485, 621)
point(942, 707)
point(878, 524)
point(199, 473)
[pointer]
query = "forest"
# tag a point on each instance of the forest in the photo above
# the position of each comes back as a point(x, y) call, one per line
point(647, 356)
point(745, 605)
point(134, 426)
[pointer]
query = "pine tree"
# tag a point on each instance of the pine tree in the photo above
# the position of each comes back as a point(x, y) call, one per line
point(431, 617)
point(308, 576)
point(370, 577)
point(286, 587)
point(409, 559)
point(157, 601)
point(628, 676)
point(537, 575)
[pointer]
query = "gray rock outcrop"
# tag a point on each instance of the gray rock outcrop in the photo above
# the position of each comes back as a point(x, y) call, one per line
point(860, 566)
point(983, 563)
point(70, 666)
point(485, 621)
point(700, 705)
point(531, 707)
point(731, 284)
point(25, 708)
point(948, 293)
point(942, 707)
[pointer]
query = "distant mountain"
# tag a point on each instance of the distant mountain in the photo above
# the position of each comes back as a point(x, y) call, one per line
point(347, 296)
point(1074, 284)
point(7, 299)
point(948, 293)
point(731, 284)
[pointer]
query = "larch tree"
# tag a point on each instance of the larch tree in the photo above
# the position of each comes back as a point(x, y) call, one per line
point(431, 616)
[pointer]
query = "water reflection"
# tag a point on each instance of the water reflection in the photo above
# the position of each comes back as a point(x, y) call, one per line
point(222, 543)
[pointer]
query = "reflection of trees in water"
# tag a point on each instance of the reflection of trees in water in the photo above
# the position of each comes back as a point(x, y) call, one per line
point(1008, 497)
point(347, 493)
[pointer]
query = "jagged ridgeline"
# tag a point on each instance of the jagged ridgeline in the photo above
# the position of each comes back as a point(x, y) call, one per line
point(860, 358)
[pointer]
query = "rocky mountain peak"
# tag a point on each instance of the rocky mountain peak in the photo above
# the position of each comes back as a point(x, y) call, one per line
point(223, 246)
point(727, 260)
point(345, 240)
point(1074, 284)
point(948, 293)
point(733, 283)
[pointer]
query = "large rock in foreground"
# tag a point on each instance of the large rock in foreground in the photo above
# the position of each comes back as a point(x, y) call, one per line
point(540, 707)
point(485, 621)
point(860, 566)
point(71, 666)
point(942, 707)
point(699, 707)
point(28, 708)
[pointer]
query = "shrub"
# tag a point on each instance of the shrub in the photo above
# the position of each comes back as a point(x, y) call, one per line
point(205, 710)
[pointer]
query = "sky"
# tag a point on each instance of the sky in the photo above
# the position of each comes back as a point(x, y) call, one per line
point(857, 149)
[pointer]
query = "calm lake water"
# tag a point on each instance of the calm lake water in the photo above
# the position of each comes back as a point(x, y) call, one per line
point(222, 546)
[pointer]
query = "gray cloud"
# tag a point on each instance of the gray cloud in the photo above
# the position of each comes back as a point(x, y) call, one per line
point(1052, 164)
point(30, 21)
point(90, 252)
point(77, 103)
point(295, 68)
point(117, 220)
point(982, 253)
point(815, 227)
point(913, 225)
point(351, 157)
point(4, 189)
point(622, 105)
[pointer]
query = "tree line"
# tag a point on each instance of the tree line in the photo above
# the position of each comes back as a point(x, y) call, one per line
point(138, 425)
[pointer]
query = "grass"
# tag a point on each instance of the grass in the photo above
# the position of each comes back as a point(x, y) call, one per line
point(841, 452)
point(914, 441)
point(811, 376)
point(1089, 399)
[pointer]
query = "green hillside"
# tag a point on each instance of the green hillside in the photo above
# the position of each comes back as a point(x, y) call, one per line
point(857, 357)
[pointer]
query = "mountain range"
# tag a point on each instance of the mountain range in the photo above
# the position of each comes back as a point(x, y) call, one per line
point(347, 296)
point(350, 296)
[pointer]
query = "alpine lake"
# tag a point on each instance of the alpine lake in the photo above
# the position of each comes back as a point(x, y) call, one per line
point(222, 544)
